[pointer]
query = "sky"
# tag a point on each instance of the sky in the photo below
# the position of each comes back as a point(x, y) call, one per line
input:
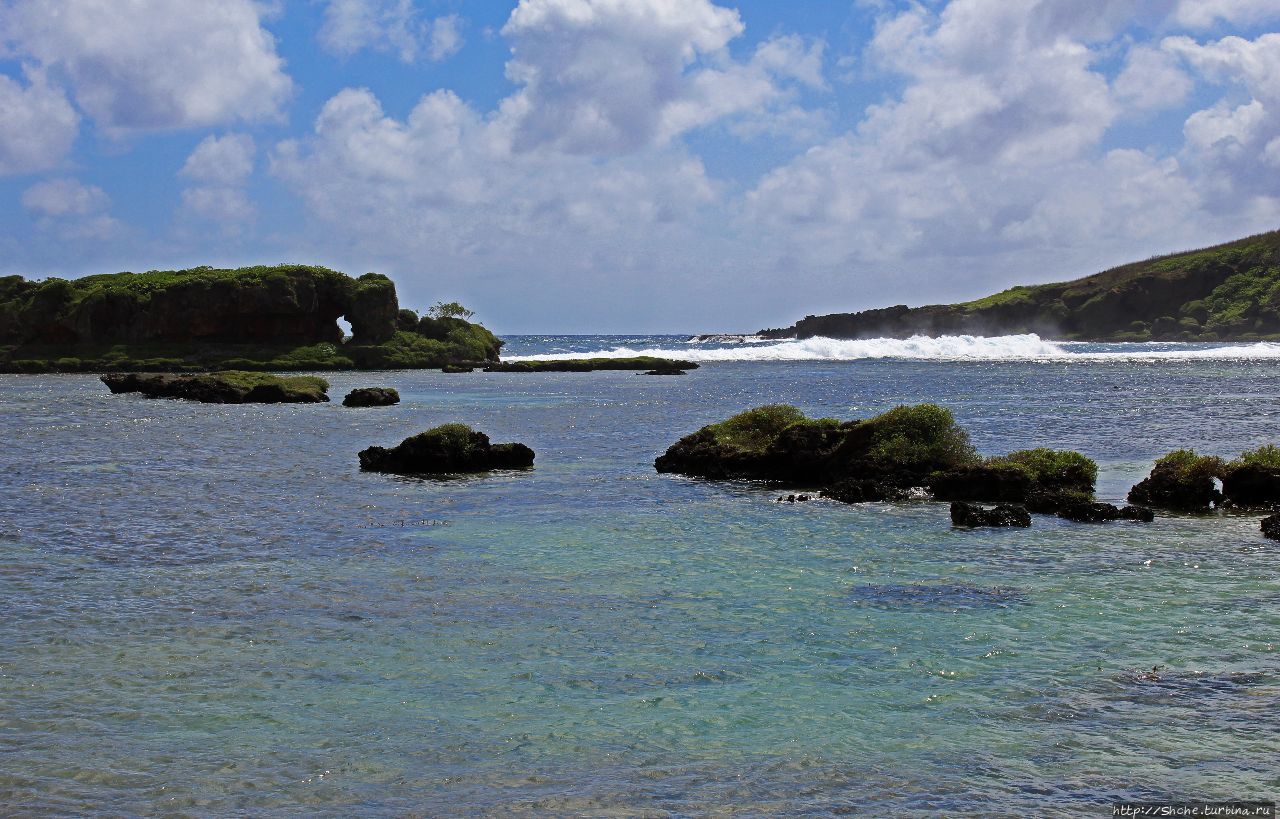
point(634, 166)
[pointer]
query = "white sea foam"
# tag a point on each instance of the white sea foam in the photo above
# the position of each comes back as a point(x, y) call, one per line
point(1027, 347)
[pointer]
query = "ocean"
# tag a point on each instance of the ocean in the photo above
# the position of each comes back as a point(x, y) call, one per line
point(209, 610)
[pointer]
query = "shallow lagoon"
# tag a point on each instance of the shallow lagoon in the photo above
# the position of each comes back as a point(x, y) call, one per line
point(209, 609)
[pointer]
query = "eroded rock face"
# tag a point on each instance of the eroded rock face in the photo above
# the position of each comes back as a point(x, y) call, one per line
point(371, 397)
point(971, 515)
point(1271, 527)
point(1181, 494)
point(451, 448)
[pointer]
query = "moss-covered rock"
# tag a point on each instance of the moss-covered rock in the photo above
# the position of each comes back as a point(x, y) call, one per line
point(900, 448)
point(450, 448)
point(229, 387)
point(1181, 481)
point(371, 397)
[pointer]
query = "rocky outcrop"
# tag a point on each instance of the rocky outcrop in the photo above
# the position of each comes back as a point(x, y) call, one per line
point(982, 483)
point(457, 368)
point(1181, 481)
point(222, 388)
point(371, 397)
point(451, 448)
point(1271, 527)
point(1093, 512)
point(1252, 485)
point(971, 515)
point(1212, 294)
point(283, 317)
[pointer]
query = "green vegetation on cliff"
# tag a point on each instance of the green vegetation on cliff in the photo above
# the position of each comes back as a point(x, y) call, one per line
point(282, 317)
point(1227, 292)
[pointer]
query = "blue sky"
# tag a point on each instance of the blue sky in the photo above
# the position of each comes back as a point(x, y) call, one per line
point(637, 165)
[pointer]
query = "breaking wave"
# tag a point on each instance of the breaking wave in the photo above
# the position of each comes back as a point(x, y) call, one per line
point(1028, 347)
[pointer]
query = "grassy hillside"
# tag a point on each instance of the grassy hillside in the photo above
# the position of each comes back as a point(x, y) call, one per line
point(1227, 292)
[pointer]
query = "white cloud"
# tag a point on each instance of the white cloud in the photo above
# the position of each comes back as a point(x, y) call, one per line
point(1206, 13)
point(1151, 80)
point(37, 125)
point(220, 167)
point(613, 76)
point(225, 160)
point(154, 64)
point(390, 26)
point(225, 205)
point(994, 152)
point(70, 209)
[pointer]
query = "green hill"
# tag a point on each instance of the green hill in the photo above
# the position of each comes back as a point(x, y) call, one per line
point(1229, 292)
point(282, 317)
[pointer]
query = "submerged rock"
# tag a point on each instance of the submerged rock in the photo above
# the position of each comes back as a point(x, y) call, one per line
point(457, 368)
point(446, 449)
point(1092, 512)
point(662, 371)
point(1271, 527)
point(371, 397)
point(971, 515)
point(936, 596)
point(229, 387)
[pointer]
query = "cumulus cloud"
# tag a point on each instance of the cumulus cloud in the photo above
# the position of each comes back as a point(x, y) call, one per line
point(219, 167)
point(70, 209)
point(225, 160)
point(992, 164)
point(154, 64)
point(37, 125)
point(1152, 80)
point(1206, 13)
point(389, 26)
point(613, 76)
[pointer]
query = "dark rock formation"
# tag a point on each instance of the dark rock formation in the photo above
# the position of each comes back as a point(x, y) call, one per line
point(665, 372)
point(371, 397)
point(1092, 512)
point(793, 499)
point(1252, 485)
point(222, 388)
point(586, 365)
point(1212, 294)
point(1181, 481)
point(450, 448)
point(1271, 527)
point(969, 515)
point(982, 483)
point(457, 368)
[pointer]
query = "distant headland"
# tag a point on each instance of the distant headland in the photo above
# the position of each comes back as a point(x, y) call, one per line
point(282, 317)
point(1229, 292)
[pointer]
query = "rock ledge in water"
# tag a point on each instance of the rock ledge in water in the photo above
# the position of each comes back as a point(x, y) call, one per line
point(446, 449)
point(1089, 512)
point(371, 397)
point(228, 387)
point(970, 515)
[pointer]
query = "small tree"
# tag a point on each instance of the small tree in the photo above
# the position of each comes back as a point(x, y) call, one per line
point(451, 309)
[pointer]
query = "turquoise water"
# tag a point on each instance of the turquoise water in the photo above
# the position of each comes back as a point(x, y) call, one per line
point(210, 610)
